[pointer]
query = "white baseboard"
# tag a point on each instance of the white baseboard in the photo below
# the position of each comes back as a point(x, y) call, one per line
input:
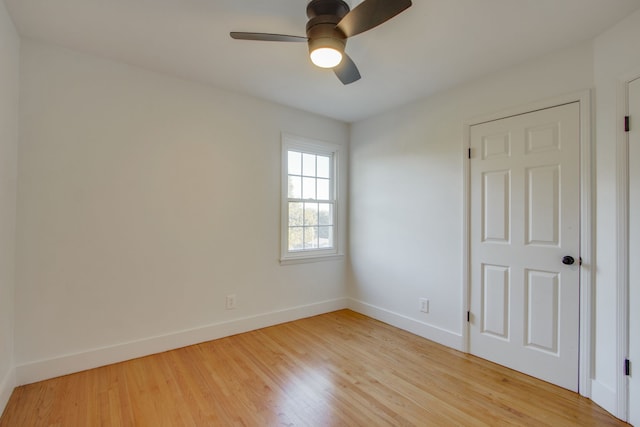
point(41, 370)
point(7, 385)
point(604, 396)
point(425, 330)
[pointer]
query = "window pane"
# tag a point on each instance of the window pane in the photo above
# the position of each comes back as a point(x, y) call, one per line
point(324, 167)
point(323, 190)
point(296, 238)
point(295, 187)
point(310, 237)
point(294, 163)
point(325, 237)
point(325, 217)
point(296, 214)
point(310, 214)
point(308, 188)
point(309, 165)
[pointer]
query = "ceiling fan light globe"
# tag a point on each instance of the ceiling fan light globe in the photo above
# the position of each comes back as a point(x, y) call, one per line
point(326, 57)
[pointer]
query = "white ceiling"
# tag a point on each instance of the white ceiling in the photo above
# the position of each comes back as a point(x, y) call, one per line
point(431, 46)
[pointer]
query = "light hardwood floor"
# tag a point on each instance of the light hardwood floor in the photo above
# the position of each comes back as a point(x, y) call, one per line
point(340, 368)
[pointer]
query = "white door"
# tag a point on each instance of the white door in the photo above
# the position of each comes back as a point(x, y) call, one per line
point(525, 219)
point(634, 252)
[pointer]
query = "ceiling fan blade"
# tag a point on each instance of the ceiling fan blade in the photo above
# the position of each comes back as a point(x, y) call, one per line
point(347, 71)
point(370, 14)
point(266, 37)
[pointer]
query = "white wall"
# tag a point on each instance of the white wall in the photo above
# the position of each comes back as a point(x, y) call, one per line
point(616, 60)
point(143, 201)
point(406, 192)
point(9, 83)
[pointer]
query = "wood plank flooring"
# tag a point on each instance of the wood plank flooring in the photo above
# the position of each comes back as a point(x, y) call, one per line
point(337, 369)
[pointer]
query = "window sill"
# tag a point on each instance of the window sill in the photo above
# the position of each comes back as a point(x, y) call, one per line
point(310, 258)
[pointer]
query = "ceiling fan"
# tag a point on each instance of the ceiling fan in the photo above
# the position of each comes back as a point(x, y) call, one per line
point(330, 23)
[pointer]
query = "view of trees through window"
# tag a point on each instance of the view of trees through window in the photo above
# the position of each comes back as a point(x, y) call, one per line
point(310, 201)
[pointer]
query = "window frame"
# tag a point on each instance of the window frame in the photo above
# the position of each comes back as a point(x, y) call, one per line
point(314, 147)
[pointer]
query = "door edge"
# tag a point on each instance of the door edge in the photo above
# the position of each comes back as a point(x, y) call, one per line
point(623, 285)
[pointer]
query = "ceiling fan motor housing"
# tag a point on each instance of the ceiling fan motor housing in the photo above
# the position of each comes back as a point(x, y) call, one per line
point(327, 7)
point(322, 30)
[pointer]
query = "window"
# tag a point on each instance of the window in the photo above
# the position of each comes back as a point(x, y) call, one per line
point(309, 199)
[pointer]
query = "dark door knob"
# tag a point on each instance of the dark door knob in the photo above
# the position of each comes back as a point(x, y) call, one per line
point(568, 260)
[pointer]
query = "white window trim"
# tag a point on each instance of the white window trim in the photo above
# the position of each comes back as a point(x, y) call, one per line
point(294, 142)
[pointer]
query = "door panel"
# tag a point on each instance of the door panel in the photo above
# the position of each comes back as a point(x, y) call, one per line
point(542, 205)
point(542, 294)
point(634, 252)
point(495, 301)
point(495, 201)
point(524, 219)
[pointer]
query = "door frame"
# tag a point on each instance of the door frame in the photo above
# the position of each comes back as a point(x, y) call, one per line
point(584, 98)
point(623, 284)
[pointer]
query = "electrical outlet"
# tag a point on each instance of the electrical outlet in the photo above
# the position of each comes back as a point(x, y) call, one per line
point(231, 302)
point(424, 305)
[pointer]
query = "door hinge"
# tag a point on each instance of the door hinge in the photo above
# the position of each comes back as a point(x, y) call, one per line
point(469, 153)
point(468, 316)
point(627, 125)
point(627, 367)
